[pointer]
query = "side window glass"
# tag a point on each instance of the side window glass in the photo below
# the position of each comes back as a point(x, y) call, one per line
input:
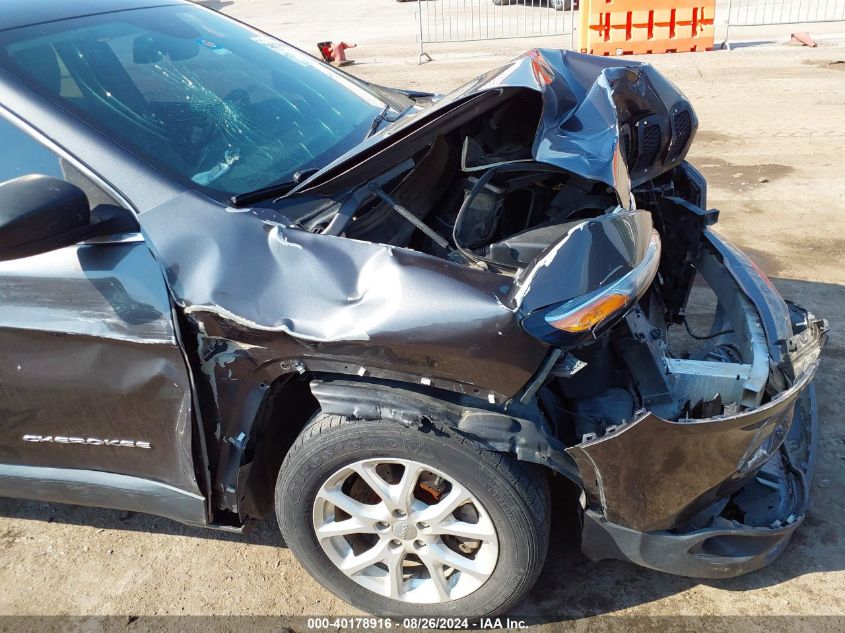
point(21, 154)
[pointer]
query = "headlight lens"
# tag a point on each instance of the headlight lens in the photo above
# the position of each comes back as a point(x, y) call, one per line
point(586, 317)
point(581, 316)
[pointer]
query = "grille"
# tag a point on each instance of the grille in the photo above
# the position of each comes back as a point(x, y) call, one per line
point(682, 130)
point(648, 146)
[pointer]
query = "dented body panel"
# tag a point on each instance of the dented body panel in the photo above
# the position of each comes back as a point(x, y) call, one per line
point(689, 464)
point(306, 296)
point(353, 308)
point(713, 497)
point(88, 337)
point(772, 504)
point(773, 311)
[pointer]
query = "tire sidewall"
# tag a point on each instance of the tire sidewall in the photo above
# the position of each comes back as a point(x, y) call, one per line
point(307, 469)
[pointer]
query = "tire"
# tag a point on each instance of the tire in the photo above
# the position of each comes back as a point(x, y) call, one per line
point(562, 5)
point(500, 3)
point(510, 496)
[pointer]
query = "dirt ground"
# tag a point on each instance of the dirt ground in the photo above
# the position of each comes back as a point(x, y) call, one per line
point(770, 142)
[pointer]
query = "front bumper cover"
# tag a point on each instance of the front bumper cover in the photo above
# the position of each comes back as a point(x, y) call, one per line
point(775, 502)
point(718, 497)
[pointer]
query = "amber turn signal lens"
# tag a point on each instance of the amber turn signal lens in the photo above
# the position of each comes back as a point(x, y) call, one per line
point(587, 317)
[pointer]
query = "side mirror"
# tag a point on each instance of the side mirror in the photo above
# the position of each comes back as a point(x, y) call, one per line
point(40, 214)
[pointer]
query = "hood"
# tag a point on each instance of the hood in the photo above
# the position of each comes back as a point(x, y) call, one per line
point(617, 122)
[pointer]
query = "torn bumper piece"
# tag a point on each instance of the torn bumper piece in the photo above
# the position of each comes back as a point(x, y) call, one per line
point(720, 496)
point(711, 498)
point(744, 531)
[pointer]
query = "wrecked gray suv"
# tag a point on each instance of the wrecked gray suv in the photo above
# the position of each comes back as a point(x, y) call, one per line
point(235, 279)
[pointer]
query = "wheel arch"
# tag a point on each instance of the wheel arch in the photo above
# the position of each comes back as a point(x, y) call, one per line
point(521, 432)
point(515, 428)
point(285, 409)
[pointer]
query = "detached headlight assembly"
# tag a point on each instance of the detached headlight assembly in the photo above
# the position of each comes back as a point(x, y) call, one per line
point(586, 315)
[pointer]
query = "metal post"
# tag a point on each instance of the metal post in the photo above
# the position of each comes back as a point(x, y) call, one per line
point(422, 48)
point(726, 44)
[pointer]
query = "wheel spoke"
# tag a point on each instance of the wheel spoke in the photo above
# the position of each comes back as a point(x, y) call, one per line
point(482, 531)
point(447, 505)
point(345, 528)
point(395, 496)
point(445, 556)
point(395, 580)
point(405, 488)
point(353, 564)
point(367, 472)
point(356, 509)
point(438, 579)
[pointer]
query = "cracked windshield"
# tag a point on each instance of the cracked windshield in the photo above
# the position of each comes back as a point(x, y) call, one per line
point(229, 111)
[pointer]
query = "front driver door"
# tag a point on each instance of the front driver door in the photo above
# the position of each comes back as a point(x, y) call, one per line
point(95, 399)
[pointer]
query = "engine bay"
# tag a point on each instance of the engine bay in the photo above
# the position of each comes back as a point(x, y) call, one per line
point(492, 207)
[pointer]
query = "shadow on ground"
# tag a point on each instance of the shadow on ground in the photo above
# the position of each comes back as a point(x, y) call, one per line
point(571, 586)
point(215, 4)
point(748, 44)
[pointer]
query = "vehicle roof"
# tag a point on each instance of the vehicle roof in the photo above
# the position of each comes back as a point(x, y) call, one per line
point(17, 13)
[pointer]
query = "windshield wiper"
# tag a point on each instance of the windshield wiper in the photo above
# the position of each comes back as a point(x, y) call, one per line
point(382, 116)
point(273, 191)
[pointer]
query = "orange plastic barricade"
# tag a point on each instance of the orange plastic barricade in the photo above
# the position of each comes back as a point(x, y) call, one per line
point(633, 27)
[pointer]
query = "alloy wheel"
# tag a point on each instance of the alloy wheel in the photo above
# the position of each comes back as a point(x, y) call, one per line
point(405, 530)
